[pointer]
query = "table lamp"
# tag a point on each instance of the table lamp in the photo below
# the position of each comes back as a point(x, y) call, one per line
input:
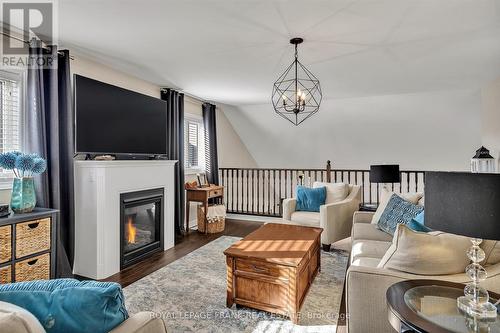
point(466, 204)
point(386, 173)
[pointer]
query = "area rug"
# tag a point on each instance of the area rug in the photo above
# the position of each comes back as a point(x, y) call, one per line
point(190, 296)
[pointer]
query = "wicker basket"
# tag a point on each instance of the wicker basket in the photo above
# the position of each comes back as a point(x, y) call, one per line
point(32, 237)
point(214, 226)
point(5, 274)
point(5, 243)
point(36, 268)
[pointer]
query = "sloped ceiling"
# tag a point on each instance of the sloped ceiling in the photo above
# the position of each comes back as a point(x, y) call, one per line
point(231, 51)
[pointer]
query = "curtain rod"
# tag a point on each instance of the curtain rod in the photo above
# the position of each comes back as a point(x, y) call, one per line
point(190, 95)
point(27, 42)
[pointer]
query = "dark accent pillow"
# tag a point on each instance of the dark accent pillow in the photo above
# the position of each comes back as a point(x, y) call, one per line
point(397, 211)
point(310, 199)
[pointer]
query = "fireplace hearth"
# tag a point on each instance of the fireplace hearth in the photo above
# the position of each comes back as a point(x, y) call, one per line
point(141, 227)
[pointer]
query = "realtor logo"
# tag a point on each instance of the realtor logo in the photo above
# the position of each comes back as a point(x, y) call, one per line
point(23, 23)
point(26, 20)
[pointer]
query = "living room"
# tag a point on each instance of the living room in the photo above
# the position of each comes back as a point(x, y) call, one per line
point(250, 166)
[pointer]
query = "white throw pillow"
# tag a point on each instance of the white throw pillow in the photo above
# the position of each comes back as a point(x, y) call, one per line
point(434, 253)
point(335, 192)
point(385, 195)
point(14, 319)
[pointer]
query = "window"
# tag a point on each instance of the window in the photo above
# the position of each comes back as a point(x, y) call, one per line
point(10, 118)
point(194, 142)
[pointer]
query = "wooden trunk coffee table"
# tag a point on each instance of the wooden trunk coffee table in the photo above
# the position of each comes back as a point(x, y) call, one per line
point(272, 268)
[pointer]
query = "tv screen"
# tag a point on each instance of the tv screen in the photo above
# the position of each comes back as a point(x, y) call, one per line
point(113, 120)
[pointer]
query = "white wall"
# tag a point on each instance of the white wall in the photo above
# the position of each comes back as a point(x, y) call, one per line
point(491, 117)
point(423, 131)
point(232, 150)
point(193, 106)
point(5, 196)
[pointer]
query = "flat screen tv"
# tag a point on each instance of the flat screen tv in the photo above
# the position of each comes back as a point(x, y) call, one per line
point(113, 120)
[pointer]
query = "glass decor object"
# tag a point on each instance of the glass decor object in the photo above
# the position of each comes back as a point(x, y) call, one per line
point(24, 167)
point(476, 300)
point(297, 92)
point(482, 162)
point(23, 199)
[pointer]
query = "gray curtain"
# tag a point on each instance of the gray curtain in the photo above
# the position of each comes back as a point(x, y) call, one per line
point(211, 159)
point(49, 132)
point(175, 149)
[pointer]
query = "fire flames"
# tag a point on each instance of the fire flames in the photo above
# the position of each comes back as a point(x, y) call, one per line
point(131, 231)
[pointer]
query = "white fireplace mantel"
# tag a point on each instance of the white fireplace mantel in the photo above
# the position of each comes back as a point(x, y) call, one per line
point(98, 185)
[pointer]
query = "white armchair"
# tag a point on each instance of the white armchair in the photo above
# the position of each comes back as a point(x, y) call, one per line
point(335, 218)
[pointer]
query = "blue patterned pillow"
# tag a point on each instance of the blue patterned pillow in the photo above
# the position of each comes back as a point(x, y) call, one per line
point(397, 211)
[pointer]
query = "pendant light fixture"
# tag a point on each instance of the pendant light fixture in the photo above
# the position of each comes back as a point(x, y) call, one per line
point(296, 93)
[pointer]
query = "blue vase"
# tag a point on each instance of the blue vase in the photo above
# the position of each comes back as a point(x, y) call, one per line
point(23, 198)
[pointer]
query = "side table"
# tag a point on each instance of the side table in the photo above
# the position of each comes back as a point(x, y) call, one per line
point(368, 207)
point(422, 306)
point(202, 194)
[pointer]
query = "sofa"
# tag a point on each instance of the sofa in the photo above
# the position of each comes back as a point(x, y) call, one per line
point(366, 284)
point(142, 322)
point(71, 305)
point(15, 319)
point(335, 218)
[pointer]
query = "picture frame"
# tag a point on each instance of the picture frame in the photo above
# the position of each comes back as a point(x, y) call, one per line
point(202, 180)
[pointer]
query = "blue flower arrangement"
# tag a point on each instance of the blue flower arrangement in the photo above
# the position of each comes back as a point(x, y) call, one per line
point(23, 165)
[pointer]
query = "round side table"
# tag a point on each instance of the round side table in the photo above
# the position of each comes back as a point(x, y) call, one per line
point(425, 306)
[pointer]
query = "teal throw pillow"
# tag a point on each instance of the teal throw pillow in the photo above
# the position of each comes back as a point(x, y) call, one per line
point(69, 305)
point(417, 223)
point(397, 211)
point(310, 199)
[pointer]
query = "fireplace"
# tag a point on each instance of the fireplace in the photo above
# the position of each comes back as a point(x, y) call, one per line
point(141, 225)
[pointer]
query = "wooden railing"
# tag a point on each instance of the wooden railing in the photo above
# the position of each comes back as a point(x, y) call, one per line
point(260, 191)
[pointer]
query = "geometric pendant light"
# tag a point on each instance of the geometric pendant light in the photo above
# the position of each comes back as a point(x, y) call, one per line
point(297, 92)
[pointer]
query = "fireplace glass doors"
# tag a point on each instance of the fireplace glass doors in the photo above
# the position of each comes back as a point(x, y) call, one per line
point(141, 225)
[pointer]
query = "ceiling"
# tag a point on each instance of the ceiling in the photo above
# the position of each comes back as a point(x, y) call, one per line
point(232, 51)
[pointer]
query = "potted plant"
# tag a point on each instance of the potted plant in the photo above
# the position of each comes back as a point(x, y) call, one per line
point(24, 166)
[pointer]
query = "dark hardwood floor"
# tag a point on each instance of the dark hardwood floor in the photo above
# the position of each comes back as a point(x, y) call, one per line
point(187, 244)
point(183, 246)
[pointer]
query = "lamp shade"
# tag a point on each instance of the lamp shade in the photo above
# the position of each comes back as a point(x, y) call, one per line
point(387, 173)
point(463, 203)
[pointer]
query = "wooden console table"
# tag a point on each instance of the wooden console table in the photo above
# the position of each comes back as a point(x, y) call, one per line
point(202, 194)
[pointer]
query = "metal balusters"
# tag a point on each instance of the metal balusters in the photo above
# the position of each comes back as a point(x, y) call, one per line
point(260, 191)
point(268, 201)
point(247, 197)
point(253, 191)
